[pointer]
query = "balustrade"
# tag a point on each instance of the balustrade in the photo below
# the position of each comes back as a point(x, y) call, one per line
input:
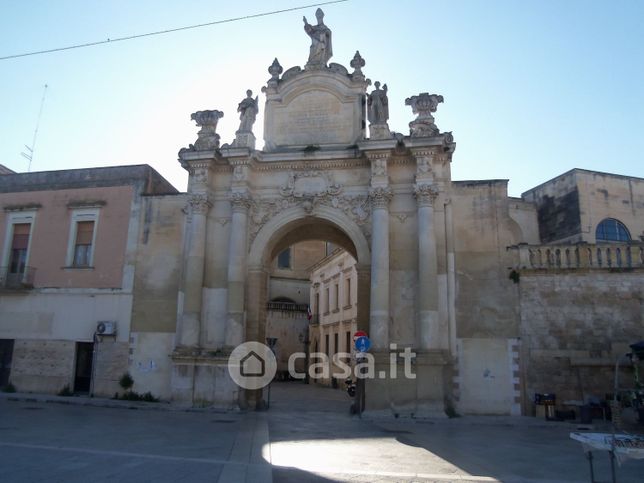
point(582, 255)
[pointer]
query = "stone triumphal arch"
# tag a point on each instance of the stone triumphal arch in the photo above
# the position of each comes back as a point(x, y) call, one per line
point(382, 196)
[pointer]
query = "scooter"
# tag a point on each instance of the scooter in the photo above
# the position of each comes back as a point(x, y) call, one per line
point(351, 387)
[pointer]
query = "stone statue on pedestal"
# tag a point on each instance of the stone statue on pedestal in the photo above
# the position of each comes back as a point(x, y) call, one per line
point(247, 109)
point(378, 113)
point(378, 105)
point(321, 50)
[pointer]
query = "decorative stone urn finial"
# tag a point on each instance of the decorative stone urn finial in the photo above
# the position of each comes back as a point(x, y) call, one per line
point(275, 70)
point(207, 137)
point(357, 63)
point(423, 104)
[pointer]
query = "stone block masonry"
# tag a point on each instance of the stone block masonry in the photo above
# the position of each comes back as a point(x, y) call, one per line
point(573, 327)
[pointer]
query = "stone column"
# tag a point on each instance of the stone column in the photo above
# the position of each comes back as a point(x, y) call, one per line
point(364, 298)
point(379, 307)
point(380, 195)
point(240, 202)
point(426, 192)
point(190, 327)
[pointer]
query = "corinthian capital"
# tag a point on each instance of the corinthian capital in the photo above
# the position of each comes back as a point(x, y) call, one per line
point(240, 200)
point(199, 204)
point(380, 196)
point(425, 194)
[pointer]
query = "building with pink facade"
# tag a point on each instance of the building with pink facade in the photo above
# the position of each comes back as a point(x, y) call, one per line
point(67, 271)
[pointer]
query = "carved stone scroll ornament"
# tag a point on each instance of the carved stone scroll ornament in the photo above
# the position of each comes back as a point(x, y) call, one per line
point(239, 173)
point(379, 167)
point(302, 184)
point(423, 165)
point(356, 207)
point(207, 137)
point(380, 197)
point(423, 105)
point(240, 200)
point(425, 194)
point(200, 174)
point(199, 204)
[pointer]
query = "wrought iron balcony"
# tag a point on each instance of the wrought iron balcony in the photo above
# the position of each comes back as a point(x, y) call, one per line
point(287, 307)
point(17, 281)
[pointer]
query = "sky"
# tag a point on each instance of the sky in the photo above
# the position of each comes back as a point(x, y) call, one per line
point(531, 88)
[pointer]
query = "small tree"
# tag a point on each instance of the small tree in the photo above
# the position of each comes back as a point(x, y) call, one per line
point(126, 382)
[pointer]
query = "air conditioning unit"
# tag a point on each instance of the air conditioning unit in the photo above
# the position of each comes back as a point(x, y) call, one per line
point(106, 328)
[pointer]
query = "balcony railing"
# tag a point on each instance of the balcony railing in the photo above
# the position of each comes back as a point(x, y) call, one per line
point(17, 281)
point(580, 255)
point(287, 307)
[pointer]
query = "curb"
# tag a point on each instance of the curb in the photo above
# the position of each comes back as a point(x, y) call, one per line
point(108, 403)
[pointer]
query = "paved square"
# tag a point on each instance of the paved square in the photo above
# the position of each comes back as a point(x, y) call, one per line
point(307, 435)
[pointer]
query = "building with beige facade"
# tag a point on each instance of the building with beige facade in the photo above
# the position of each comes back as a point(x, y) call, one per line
point(287, 310)
point(498, 297)
point(334, 309)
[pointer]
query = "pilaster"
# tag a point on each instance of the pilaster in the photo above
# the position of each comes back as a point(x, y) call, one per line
point(190, 327)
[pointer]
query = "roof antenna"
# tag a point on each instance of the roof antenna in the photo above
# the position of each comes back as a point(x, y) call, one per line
point(30, 155)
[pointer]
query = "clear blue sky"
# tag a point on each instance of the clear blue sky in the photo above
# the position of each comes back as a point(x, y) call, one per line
point(532, 88)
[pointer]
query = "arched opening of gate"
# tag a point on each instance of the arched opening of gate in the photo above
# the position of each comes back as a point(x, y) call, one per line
point(336, 303)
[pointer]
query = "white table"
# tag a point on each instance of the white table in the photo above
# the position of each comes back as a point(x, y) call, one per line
point(619, 446)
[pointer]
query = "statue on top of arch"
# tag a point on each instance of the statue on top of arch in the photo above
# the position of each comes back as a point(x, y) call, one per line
point(247, 109)
point(321, 49)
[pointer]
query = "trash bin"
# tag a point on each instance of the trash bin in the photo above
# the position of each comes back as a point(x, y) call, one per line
point(549, 400)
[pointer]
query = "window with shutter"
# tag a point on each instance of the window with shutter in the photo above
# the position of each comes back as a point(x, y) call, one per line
point(83, 244)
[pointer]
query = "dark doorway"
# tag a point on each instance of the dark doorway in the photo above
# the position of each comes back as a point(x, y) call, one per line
point(6, 353)
point(83, 376)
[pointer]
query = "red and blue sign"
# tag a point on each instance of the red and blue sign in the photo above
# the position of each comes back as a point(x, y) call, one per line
point(362, 343)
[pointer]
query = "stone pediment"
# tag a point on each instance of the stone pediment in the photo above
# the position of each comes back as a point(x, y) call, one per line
point(319, 108)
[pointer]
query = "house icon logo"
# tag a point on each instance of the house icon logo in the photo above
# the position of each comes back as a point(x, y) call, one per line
point(252, 365)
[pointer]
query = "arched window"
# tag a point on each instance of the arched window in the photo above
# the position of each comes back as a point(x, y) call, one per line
point(284, 259)
point(612, 230)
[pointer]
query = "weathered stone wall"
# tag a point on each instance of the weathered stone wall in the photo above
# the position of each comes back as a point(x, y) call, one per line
point(110, 364)
point(486, 302)
point(158, 265)
point(610, 196)
point(150, 365)
point(571, 205)
point(558, 208)
point(574, 326)
point(291, 330)
point(42, 365)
